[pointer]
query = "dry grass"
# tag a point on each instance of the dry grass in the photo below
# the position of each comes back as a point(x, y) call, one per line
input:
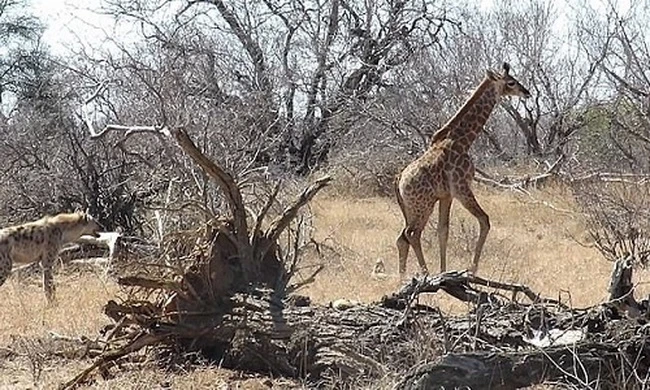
point(16, 375)
point(538, 241)
point(26, 319)
point(24, 311)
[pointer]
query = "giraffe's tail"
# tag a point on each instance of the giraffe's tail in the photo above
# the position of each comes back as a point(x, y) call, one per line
point(400, 201)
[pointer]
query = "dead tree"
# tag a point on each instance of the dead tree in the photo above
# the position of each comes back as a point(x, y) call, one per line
point(255, 249)
point(511, 337)
point(238, 254)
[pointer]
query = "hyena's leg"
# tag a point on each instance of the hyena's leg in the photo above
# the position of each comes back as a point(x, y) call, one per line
point(47, 261)
point(5, 266)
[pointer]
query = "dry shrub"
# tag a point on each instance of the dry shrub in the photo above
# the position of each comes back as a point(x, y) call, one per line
point(618, 217)
point(367, 173)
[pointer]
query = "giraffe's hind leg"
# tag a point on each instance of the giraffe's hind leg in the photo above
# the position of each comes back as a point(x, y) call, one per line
point(403, 247)
point(413, 235)
point(416, 212)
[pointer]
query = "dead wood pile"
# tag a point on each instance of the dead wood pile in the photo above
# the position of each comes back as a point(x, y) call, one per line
point(510, 339)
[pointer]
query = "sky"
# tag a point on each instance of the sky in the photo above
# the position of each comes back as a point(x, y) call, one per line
point(74, 23)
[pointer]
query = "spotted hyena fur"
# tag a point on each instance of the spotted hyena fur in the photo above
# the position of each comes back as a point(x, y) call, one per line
point(40, 241)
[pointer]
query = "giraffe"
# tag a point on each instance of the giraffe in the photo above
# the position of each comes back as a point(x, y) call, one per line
point(445, 171)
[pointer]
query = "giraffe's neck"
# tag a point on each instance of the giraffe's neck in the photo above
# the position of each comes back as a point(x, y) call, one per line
point(467, 123)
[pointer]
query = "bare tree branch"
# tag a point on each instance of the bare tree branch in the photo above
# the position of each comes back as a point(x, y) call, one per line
point(225, 181)
point(279, 224)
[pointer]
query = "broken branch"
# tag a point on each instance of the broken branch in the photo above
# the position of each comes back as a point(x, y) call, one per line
point(223, 179)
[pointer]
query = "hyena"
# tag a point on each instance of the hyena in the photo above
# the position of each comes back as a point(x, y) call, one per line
point(41, 241)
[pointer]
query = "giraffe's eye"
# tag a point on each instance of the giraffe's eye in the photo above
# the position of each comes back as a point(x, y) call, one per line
point(511, 83)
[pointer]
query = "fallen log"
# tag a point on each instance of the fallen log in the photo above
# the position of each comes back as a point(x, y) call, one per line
point(587, 365)
point(604, 349)
point(503, 342)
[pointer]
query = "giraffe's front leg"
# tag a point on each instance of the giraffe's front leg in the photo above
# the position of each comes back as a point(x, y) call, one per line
point(467, 199)
point(47, 262)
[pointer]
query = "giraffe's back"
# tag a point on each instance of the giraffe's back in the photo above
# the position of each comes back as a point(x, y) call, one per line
point(437, 174)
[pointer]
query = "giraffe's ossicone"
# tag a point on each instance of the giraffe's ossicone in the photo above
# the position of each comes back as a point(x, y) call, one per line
point(445, 172)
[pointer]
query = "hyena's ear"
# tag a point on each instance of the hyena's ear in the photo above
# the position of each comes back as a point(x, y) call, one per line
point(85, 214)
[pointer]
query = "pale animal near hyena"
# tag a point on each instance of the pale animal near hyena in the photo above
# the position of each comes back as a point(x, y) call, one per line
point(40, 241)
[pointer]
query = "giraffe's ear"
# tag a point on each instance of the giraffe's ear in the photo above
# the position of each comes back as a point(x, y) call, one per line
point(506, 68)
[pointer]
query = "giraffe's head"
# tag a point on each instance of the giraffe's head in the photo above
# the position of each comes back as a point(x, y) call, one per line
point(508, 85)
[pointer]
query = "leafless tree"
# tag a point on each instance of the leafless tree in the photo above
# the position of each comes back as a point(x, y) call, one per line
point(298, 66)
point(527, 35)
point(557, 73)
point(617, 218)
point(625, 108)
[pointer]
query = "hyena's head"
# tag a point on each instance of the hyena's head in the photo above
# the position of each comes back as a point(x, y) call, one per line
point(88, 225)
